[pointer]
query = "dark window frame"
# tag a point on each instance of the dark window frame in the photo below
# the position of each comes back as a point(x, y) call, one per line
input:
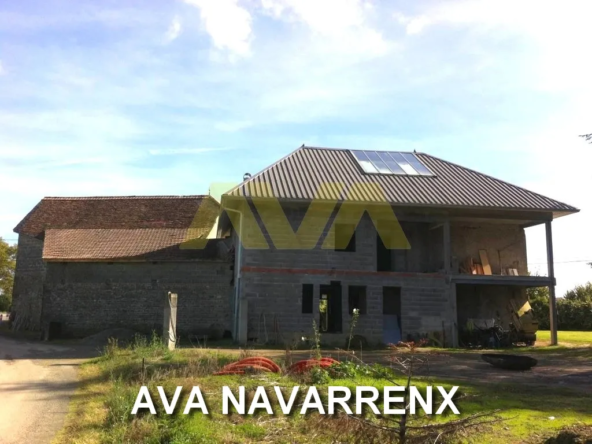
point(307, 298)
point(359, 292)
point(392, 307)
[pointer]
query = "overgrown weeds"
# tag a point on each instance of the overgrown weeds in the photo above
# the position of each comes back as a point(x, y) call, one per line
point(102, 408)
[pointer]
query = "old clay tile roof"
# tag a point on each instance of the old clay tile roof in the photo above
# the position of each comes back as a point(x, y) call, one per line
point(127, 212)
point(126, 244)
point(299, 175)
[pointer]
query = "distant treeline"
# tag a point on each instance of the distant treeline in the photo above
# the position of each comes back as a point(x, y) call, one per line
point(574, 310)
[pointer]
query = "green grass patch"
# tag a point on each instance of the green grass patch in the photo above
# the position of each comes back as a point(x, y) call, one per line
point(101, 409)
point(567, 337)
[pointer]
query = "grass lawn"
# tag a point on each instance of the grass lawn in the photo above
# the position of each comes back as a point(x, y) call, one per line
point(567, 337)
point(101, 409)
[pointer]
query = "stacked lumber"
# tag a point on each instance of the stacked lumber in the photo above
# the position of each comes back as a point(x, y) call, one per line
point(468, 266)
point(483, 268)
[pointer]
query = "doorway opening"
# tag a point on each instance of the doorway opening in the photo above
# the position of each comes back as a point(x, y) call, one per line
point(330, 308)
point(391, 315)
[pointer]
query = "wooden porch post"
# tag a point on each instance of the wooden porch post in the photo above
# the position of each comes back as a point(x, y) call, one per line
point(551, 273)
point(447, 250)
point(454, 315)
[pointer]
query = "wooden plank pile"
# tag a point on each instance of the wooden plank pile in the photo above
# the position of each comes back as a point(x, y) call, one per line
point(484, 267)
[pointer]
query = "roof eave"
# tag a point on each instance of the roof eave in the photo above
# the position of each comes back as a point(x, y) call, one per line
point(556, 212)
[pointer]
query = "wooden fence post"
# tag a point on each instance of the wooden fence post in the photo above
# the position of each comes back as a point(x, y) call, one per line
point(169, 330)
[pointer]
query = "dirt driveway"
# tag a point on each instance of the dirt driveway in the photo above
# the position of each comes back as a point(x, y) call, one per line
point(556, 368)
point(37, 381)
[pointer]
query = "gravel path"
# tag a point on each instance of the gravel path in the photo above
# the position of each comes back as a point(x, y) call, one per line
point(37, 381)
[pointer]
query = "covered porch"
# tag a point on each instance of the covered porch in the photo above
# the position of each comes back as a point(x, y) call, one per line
point(476, 292)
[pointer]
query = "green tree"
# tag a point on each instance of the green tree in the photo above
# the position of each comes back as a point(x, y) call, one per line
point(539, 301)
point(574, 309)
point(580, 293)
point(7, 264)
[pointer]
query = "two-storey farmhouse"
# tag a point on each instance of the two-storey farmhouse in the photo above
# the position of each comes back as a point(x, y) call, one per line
point(418, 245)
point(420, 272)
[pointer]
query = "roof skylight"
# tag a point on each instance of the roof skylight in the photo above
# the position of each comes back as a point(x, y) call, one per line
point(391, 162)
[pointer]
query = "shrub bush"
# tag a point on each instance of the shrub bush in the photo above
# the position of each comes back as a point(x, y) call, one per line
point(574, 310)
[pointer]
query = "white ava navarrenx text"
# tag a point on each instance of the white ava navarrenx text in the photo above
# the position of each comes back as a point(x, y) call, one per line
point(337, 397)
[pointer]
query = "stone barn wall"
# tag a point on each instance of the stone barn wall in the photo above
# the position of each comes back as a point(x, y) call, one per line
point(28, 283)
point(89, 297)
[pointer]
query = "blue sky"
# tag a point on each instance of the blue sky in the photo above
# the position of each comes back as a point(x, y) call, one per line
point(165, 97)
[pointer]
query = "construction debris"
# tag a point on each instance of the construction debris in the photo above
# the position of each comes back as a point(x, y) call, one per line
point(256, 364)
point(307, 364)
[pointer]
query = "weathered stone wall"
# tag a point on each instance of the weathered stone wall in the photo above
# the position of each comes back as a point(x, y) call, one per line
point(28, 283)
point(505, 242)
point(89, 297)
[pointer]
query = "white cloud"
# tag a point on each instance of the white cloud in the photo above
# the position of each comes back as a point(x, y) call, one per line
point(233, 126)
point(560, 31)
point(174, 30)
point(413, 25)
point(83, 123)
point(343, 21)
point(177, 151)
point(560, 163)
point(227, 23)
point(1, 68)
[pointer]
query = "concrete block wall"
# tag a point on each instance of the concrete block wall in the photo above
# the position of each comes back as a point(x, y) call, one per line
point(425, 305)
point(364, 258)
point(505, 242)
point(425, 255)
point(28, 283)
point(488, 301)
point(89, 297)
point(272, 284)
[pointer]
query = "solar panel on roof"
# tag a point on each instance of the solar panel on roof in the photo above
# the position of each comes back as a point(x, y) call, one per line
point(391, 162)
point(364, 162)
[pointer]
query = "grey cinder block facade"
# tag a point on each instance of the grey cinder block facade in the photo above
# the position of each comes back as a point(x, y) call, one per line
point(272, 282)
point(449, 215)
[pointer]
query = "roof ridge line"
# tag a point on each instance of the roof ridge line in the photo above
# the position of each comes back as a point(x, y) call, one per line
point(254, 176)
point(160, 196)
point(356, 149)
point(124, 229)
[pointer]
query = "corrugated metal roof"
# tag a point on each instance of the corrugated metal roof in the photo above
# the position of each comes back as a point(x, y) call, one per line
point(300, 174)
